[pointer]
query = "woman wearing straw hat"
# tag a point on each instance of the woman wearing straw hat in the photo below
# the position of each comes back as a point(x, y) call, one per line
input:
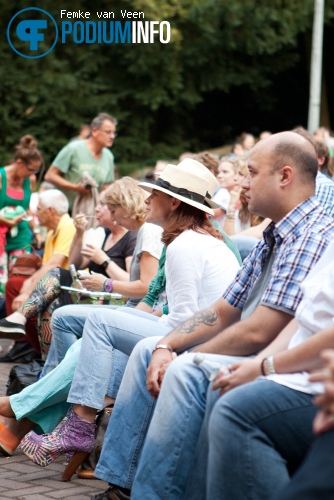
point(198, 268)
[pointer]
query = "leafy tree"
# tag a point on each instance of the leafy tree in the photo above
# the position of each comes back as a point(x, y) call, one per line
point(167, 97)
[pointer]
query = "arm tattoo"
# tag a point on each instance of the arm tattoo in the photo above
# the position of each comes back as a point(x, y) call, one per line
point(207, 318)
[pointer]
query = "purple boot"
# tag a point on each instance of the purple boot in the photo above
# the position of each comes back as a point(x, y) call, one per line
point(73, 435)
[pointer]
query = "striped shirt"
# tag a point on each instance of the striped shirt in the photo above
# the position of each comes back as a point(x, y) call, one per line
point(300, 238)
point(324, 189)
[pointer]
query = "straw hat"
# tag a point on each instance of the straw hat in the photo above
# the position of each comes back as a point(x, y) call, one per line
point(189, 181)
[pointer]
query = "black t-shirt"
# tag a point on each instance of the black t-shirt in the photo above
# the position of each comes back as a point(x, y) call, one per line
point(118, 252)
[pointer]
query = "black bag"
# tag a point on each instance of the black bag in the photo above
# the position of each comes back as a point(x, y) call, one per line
point(102, 422)
point(20, 376)
point(3, 313)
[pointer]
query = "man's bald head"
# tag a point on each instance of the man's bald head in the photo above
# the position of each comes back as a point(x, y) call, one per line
point(290, 148)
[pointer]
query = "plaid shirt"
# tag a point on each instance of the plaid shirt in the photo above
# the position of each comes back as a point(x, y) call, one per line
point(300, 238)
point(324, 189)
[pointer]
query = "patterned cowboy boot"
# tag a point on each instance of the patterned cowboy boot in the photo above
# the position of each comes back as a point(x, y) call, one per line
point(73, 435)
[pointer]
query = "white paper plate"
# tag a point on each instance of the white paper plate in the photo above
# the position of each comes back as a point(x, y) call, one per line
point(91, 293)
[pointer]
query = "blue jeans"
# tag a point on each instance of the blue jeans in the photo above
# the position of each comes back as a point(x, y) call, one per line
point(108, 339)
point(44, 402)
point(258, 434)
point(245, 244)
point(314, 480)
point(67, 324)
point(166, 452)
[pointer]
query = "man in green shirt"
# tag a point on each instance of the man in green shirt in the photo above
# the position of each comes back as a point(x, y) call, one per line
point(90, 155)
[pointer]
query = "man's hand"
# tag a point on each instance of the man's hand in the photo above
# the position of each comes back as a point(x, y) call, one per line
point(160, 361)
point(237, 374)
point(19, 301)
point(80, 188)
point(39, 239)
point(324, 419)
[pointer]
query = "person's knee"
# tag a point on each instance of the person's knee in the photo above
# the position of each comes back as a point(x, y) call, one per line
point(183, 369)
point(57, 316)
point(242, 406)
point(144, 348)
point(68, 319)
point(185, 379)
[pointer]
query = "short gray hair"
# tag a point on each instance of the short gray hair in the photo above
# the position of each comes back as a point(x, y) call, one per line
point(53, 198)
point(99, 119)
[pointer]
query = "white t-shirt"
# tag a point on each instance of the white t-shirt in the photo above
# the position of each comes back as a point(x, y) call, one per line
point(314, 313)
point(198, 269)
point(240, 226)
point(148, 240)
point(222, 198)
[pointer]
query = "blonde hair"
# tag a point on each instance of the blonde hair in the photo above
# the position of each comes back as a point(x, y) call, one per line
point(226, 159)
point(242, 167)
point(129, 195)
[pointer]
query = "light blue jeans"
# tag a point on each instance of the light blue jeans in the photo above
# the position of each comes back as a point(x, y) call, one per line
point(258, 435)
point(44, 402)
point(165, 438)
point(67, 324)
point(108, 339)
point(245, 244)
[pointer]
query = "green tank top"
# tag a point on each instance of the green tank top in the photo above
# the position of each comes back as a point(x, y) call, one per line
point(23, 236)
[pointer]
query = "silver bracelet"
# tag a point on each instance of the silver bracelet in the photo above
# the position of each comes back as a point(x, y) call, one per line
point(163, 346)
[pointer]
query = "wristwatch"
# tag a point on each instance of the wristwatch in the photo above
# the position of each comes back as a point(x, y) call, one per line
point(108, 285)
point(267, 366)
point(105, 264)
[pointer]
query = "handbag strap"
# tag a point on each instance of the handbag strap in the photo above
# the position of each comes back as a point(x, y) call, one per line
point(31, 247)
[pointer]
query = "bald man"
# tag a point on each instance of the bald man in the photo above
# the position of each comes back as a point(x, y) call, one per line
point(258, 304)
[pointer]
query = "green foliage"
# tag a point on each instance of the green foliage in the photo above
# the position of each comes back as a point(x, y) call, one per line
point(154, 90)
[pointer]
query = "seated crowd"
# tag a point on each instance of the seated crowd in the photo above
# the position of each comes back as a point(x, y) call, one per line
point(225, 267)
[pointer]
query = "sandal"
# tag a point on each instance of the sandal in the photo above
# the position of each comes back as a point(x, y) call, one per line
point(8, 441)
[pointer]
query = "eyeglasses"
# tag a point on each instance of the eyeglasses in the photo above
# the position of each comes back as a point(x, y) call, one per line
point(110, 132)
point(32, 170)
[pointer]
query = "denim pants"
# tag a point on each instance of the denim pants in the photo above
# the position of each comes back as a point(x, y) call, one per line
point(44, 402)
point(258, 434)
point(166, 452)
point(245, 244)
point(67, 324)
point(108, 339)
point(314, 480)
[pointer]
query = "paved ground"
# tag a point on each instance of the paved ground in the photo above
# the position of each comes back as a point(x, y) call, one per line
point(23, 480)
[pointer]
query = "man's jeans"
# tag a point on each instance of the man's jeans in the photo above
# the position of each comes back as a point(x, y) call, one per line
point(258, 434)
point(314, 480)
point(172, 436)
point(170, 446)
